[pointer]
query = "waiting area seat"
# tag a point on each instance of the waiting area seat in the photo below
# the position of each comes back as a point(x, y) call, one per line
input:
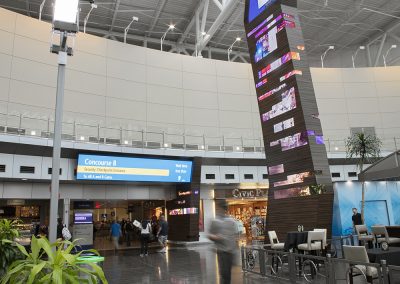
point(381, 235)
point(359, 254)
point(315, 242)
point(274, 241)
point(363, 235)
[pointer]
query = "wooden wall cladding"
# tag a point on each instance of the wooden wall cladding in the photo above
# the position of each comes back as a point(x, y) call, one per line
point(313, 212)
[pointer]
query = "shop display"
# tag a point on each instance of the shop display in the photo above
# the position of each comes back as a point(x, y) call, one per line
point(250, 214)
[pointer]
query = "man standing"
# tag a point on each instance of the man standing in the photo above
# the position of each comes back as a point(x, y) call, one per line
point(356, 218)
point(162, 233)
point(223, 233)
point(115, 232)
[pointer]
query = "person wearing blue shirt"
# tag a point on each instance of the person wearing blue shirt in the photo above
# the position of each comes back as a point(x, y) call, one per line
point(115, 233)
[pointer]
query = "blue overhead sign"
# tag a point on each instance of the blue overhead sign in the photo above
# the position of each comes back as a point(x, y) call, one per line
point(110, 168)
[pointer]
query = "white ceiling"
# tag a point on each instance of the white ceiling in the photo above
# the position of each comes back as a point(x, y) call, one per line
point(342, 23)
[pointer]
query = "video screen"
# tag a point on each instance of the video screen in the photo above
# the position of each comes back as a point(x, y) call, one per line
point(291, 192)
point(295, 141)
point(83, 218)
point(266, 44)
point(293, 179)
point(278, 63)
point(319, 140)
point(115, 168)
point(256, 7)
point(290, 74)
point(274, 170)
point(184, 211)
point(283, 125)
point(270, 93)
point(288, 103)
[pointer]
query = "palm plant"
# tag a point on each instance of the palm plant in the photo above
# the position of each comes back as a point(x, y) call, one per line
point(8, 252)
point(47, 265)
point(365, 149)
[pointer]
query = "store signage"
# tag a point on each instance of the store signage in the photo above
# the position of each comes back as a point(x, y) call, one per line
point(183, 193)
point(111, 168)
point(15, 202)
point(83, 204)
point(249, 193)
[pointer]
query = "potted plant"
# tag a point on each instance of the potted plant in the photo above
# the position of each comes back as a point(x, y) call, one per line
point(53, 264)
point(8, 252)
point(317, 189)
point(365, 149)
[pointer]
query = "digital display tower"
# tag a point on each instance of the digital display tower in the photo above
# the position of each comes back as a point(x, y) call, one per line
point(294, 145)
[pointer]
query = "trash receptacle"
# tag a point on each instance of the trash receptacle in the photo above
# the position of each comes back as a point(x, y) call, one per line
point(86, 258)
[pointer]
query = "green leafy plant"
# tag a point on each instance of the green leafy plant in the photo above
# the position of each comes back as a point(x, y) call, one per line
point(317, 189)
point(365, 149)
point(8, 252)
point(53, 264)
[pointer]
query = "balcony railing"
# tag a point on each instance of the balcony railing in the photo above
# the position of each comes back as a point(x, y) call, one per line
point(25, 125)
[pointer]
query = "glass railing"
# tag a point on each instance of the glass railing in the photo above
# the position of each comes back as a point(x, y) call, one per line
point(25, 125)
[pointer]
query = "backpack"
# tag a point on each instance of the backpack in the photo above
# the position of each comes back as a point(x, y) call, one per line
point(66, 234)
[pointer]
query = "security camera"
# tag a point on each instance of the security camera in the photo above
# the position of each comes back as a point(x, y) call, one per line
point(93, 5)
point(136, 19)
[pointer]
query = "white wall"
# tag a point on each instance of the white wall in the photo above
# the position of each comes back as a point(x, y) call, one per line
point(115, 84)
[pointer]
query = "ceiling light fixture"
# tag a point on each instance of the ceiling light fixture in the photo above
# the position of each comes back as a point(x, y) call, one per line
point(331, 47)
point(394, 46)
point(353, 57)
point(171, 27)
point(230, 48)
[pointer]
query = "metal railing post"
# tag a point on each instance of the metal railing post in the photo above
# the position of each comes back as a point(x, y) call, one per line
point(120, 135)
point(204, 142)
point(20, 124)
point(243, 252)
point(292, 268)
point(74, 131)
point(384, 272)
point(329, 145)
point(184, 141)
point(223, 142)
point(163, 139)
point(261, 257)
point(48, 126)
point(395, 144)
point(98, 133)
point(330, 279)
point(241, 141)
point(142, 138)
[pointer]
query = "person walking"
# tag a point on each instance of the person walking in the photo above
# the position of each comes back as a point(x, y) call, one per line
point(145, 229)
point(115, 233)
point(223, 233)
point(162, 233)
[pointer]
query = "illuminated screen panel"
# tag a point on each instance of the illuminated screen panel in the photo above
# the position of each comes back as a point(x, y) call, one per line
point(286, 100)
point(286, 124)
point(288, 103)
point(256, 7)
point(291, 192)
point(111, 168)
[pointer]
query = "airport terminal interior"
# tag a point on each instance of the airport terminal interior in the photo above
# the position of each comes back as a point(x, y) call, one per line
point(200, 141)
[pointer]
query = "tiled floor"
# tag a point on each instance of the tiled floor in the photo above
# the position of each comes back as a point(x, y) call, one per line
point(177, 266)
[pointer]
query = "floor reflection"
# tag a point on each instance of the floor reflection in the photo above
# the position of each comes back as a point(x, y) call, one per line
point(177, 266)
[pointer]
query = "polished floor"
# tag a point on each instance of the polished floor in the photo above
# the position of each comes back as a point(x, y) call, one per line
point(177, 266)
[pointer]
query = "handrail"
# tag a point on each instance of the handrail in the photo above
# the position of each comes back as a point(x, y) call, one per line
point(100, 132)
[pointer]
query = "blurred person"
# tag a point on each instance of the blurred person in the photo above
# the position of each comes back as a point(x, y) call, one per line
point(223, 233)
point(145, 229)
point(60, 227)
point(115, 233)
point(43, 232)
point(162, 233)
point(129, 232)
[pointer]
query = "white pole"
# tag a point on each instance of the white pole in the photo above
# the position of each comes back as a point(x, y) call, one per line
point(55, 174)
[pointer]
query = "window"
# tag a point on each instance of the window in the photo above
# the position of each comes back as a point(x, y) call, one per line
point(336, 175)
point(210, 176)
point(265, 176)
point(229, 176)
point(50, 171)
point(26, 170)
point(2, 168)
point(248, 176)
point(352, 174)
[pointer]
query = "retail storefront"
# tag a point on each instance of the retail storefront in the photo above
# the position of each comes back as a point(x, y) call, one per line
point(248, 206)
